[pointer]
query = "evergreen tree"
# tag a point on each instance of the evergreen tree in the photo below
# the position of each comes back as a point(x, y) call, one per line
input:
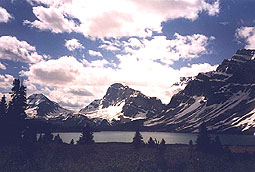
point(151, 142)
point(47, 137)
point(72, 142)
point(138, 139)
point(163, 142)
point(15, 123)
point(58, 140)
point(203, 142)
point(3, 107)
point(87, 136)
point(17, 105)
point(3, 124)
point(190, 148)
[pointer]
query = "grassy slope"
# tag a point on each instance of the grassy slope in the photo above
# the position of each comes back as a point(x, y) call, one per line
point(107, 157)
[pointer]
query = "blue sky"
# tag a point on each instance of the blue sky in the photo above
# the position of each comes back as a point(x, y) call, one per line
point(73, 50)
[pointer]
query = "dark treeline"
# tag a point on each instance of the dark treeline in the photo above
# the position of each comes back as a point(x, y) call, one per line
point(12, 116)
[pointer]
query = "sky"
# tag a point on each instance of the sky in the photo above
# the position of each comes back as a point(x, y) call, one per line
point(73, 50)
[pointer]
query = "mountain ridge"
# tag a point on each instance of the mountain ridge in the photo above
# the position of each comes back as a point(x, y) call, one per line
point(224, 99)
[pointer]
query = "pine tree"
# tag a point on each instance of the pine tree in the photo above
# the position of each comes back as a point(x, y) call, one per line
point(58, 140)
point(87, 136)
point(151, 142)
point(47, 137)
point(203, 141)
point(3, 107)
point(15, 118)
point(138, 139)
point(3, 123)
point(72, 142)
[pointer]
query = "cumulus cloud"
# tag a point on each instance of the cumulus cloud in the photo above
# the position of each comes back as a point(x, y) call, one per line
point(114, 18)
point(6, 82)
point(166, 50)
point(51, 19)
point(248, 34)
point(13, 49)
point(95, 53)
point(4, 15)
point(73, 44)
point(2, 66)
point(143, 64)
point(76, 83)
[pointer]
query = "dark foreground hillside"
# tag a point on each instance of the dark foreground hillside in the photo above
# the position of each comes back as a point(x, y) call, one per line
point(118, 157)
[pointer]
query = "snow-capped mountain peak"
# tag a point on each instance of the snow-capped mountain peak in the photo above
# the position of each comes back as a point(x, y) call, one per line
point(39, 106)
point(121, 102)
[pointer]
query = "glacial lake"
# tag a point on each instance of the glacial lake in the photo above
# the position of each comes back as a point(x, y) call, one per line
point(170, 138)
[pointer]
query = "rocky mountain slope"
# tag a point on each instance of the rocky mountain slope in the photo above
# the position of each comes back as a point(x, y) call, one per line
point(123, 104)
point(39, 106)
point(224, 99)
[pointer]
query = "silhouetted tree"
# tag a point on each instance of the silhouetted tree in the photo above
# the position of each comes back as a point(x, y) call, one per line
point(151, 142)
point(203, 142)
point(156, 141)
point(15, 123)
point(138, 139)
point(162, 145)
point(58, 140)
point(47, 137)
point(190, 145)
point(3, 107)
point(72, 142)
point(87, 136)
point(3, 124)
point(163, 142)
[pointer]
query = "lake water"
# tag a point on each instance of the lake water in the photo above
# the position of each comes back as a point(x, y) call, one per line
point(170, 138)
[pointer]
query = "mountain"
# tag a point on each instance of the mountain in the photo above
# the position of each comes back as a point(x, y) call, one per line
point(39, 106)
point(44, 113)
point(123, 104)
point(223, 99)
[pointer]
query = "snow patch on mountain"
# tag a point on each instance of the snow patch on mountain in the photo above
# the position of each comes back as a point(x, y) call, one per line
point(110, 113)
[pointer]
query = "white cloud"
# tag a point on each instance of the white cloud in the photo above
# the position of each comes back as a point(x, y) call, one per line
point(58, 76)
point(4, 15)
point(51, 19)
point(75, 83)
point(95, 53)
point(2, 66)
point(167, 50)
point(248, 34)
point(114, 18)
point(13, 49)
point(73, 44)
point(6, 82)
point(112, 45)
point(144, 64)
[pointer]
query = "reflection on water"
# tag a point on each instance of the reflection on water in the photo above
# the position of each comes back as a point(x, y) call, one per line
point(170, 138)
